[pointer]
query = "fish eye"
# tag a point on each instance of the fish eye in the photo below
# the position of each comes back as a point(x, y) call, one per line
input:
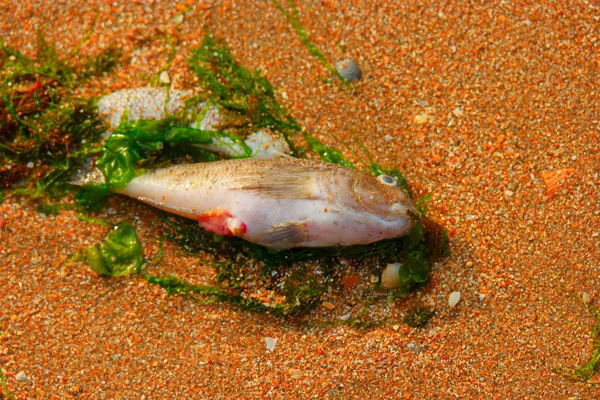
point(388, 180)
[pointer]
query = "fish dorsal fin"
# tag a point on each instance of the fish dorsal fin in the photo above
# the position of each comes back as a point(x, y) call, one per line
point(291, 181)
point(286, 236)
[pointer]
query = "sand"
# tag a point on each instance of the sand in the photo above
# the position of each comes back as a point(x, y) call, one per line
point(480, 104)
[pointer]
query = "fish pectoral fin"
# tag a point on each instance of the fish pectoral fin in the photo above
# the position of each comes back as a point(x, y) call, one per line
point(286, 236)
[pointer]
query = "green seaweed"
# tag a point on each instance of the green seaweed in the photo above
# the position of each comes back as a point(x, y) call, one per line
point(293, 18)
point(245, 98)
point(586, 370)
point(418, 316)
point(92, 197)
point(176, 286)
point(45, 131)
point(119, 254)
point(5, 393)
point(302, 290)
point(326, 153)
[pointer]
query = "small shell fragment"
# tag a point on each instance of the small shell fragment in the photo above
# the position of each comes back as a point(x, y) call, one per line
point(350, 281)
point(453, 299)
point(21, 377)
point(555, 179)
point(586, 297)
point(390, 277)
point(164, 77)
point(295, 373)
point(348, 69)
point(271, 342)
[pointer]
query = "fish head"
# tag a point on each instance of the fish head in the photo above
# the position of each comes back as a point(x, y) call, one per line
point(382, 196)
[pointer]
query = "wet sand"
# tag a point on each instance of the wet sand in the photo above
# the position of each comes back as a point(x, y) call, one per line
point(491, 108)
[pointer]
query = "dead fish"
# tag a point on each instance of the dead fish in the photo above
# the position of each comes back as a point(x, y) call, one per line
point(280, 202)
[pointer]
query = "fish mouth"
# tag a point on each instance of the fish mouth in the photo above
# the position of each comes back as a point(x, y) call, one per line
point(402, 209)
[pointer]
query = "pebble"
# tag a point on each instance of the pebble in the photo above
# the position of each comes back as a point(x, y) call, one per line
point(586, 297)
point(164, 77)
point(348, 69)
point(453, 299)
point(413, 347)
point(21, 377)
point(295, 373)
point(271, 342)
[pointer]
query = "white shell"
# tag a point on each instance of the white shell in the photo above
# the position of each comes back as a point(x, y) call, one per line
point(453, 299)
point(390, 277)
point(270, 342)
point(348, 69)
point(21, 377)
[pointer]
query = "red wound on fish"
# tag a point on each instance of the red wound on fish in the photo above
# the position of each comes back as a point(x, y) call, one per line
point(222, 223)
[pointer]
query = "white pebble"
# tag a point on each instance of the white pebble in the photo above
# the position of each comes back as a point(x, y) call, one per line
point(586, 297)
point(164, 77)
point(21, 377)
point(271, 342)
point(453, 299)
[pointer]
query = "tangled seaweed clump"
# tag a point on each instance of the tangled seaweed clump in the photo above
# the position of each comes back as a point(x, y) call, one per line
point(45, 131)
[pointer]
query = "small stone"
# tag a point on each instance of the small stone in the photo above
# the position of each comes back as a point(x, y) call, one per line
point(164, 77)
point(348, 69)
point(413, 347)
point(178, 19)
point(271, 342)
point(423, 103)
point(374, 279)
point(458, 112)
point(586, 297)
point(453, 299)
point(509, 193)
point(594, 379)
point(396, 327)
point(21, 377)
point(29, 164)
point(295, 373)
point(421, 118)
point(328, 305)
point(346, 316)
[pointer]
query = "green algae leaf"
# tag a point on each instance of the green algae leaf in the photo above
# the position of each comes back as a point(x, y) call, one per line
point(327, 154)
point(119, 254)
point(92, 196)
point(135, 142)
point(129, 144)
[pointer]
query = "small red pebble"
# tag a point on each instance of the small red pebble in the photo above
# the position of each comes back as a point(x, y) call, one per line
point(2, 223)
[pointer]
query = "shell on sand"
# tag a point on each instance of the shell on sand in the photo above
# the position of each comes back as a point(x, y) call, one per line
point(554, 180)
point(390, 277)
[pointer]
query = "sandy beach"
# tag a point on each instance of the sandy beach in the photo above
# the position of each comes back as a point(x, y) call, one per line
point(493, 108)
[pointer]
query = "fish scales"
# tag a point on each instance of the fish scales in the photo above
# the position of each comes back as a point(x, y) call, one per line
point(280, 203)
